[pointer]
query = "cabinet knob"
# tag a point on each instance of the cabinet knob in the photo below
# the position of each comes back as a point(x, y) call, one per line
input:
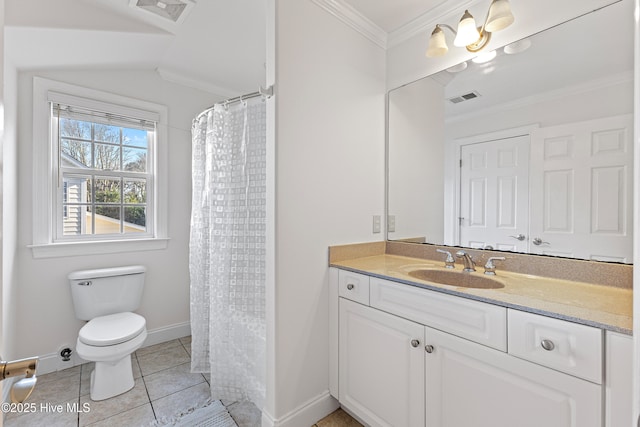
point(415, 343)
point(350, 286)
point(547, 345)
point(429, 348)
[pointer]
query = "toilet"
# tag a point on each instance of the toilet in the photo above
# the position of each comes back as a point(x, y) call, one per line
point(106, 298)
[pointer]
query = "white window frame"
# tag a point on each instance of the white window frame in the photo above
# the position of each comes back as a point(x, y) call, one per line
point(45, 173)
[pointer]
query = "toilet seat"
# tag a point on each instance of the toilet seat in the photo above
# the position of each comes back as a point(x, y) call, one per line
point(112, 329)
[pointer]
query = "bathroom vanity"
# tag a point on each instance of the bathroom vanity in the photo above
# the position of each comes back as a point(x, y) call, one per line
point(505, 350)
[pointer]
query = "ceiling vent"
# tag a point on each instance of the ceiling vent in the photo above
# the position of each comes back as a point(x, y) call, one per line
point(465, 97)
point(173, 10)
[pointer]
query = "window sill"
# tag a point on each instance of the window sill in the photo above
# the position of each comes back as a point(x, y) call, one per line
point(54, 250)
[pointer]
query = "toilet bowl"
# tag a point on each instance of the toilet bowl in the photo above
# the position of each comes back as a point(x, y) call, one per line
point(106, 298)
point(109, 341)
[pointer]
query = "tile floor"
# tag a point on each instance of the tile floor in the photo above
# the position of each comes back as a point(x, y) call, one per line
point(164, 386)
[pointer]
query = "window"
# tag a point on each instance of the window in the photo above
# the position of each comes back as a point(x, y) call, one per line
point(106, 174)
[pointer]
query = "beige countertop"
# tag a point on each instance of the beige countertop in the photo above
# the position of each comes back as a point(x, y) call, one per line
point(601, 306)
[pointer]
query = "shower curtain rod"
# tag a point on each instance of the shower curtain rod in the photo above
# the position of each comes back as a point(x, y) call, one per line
point(267, 93)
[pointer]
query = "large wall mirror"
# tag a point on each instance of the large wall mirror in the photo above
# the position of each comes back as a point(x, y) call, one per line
point(529, 152)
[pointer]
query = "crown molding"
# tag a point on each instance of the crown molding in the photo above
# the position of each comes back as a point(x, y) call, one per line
point(424, 23)
point(355, 20)
point(418, 26)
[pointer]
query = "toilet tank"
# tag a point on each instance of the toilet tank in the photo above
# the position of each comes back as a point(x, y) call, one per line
point(106, 290)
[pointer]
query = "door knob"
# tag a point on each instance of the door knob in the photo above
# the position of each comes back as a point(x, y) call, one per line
point(415, 343)
point(538, 241)
point(520, 237)
point(429, 348)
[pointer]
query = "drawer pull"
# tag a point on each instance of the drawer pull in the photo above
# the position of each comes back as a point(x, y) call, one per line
point(350, 286)
point(415, 343)
point(429, 348)
point(547, 345)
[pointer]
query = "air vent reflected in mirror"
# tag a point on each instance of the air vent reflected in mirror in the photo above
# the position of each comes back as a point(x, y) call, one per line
point(465, 97)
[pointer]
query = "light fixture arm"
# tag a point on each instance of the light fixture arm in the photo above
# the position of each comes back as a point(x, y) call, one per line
point(455, 33)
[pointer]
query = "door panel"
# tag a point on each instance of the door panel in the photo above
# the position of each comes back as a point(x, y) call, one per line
point(494, 193)
point(581, 190)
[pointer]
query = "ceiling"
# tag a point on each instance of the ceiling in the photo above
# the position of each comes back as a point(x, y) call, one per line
point(218, 47)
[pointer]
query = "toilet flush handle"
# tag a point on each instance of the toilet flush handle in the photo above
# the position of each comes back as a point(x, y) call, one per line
point(85, 283)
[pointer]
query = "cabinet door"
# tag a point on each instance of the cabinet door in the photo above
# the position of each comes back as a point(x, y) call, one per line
point(381, 366)
point(619, 380)
point(472, 385)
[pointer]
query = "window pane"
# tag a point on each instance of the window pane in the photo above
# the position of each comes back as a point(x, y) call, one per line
point(135, 219)
point(106, 133)
point(107, 157)
point(107, 219)
point(107, 190)
point(75, 128)
point(135, 191)
point(134, 159)
point(134, 137)
point(75, 220)
point(75, 153)
point(77, 188)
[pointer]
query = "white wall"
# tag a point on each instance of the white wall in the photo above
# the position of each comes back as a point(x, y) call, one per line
point(44, 319)
point(329, 181)
point(416, 161)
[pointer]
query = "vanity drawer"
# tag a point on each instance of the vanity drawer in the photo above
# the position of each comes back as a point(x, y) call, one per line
point(565, 346)
point(353, 286)
point(476, 321)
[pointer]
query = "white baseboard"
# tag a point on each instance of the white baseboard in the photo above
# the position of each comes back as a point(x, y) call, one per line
point(306, 414)
point(167, 333)
point(52, 362)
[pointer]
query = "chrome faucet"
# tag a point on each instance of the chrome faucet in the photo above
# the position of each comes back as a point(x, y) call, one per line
point(469, 264)
point(449, 262)
point(490, 267)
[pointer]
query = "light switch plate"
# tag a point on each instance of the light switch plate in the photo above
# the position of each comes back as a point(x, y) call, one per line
point(377, 223)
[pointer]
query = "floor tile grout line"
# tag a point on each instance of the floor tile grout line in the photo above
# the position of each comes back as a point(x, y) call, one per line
point(146, 389)
point(79, 395)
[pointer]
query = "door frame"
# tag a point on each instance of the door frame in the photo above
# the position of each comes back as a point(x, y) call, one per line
point(453, 157)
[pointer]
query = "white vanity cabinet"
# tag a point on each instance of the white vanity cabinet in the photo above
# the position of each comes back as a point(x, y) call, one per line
point(381, 366)
point(408, 356)
point(618, 380)
point(468, 384)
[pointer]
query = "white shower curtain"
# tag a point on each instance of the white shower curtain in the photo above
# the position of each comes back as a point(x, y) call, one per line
point(227, 249)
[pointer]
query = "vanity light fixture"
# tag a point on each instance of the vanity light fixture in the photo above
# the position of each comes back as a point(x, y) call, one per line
point(475, 38)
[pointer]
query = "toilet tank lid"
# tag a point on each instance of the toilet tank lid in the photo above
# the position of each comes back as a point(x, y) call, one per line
point(106, 272)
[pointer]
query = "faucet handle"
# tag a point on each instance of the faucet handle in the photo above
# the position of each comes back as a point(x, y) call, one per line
point(490, 267)
point(450, 262)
